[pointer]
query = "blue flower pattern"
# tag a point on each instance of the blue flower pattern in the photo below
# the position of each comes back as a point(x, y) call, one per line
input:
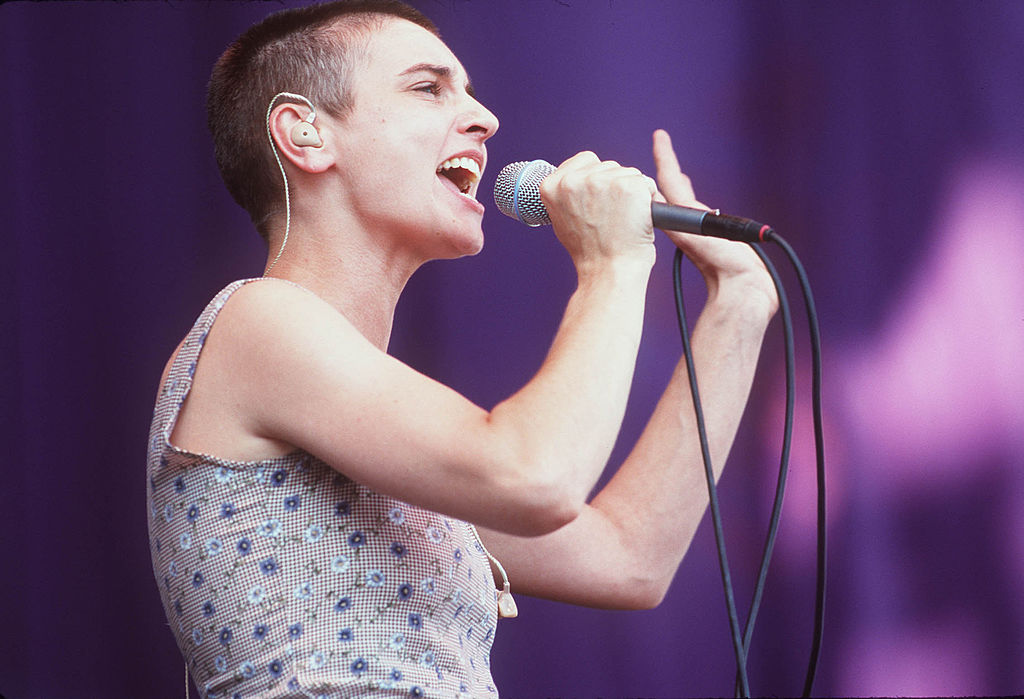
point(306, 581)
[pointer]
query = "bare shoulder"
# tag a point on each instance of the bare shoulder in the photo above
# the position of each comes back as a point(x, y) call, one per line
point(275, 324)
point(275, 307)
point(266, 334)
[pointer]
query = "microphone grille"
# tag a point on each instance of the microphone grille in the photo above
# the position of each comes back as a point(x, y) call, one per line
point(517, 191)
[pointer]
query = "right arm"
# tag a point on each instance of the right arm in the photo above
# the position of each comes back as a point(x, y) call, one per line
point(302, 375)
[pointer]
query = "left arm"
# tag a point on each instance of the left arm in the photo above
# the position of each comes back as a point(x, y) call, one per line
point(624, 548)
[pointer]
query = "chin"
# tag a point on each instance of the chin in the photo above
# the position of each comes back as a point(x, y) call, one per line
point(475, 248)
point(464, 243)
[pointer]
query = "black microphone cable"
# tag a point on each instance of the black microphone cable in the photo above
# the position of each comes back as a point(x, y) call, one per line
point(742, 646)
point(819, 451)
point(742, 690)
point(716, 517)
point(787, 440)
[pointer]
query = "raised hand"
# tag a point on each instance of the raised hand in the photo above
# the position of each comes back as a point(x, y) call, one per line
point(719, 261)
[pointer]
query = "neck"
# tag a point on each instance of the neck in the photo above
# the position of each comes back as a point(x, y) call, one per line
point(349, 269)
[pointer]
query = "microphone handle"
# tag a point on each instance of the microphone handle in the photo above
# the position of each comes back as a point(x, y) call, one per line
point(711, 223)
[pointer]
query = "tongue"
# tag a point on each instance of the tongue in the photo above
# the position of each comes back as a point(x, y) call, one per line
point(449, 183)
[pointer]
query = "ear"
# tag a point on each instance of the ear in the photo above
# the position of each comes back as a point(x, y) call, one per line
point(297, 140)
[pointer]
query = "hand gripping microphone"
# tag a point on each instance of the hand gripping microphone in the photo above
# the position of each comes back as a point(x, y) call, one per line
point(517, 194)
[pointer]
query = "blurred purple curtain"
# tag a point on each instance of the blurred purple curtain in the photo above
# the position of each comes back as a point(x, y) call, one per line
point(849, 126)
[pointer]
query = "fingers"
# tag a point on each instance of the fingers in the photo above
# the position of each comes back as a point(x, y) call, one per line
point(676, 186)
point(600, 209)
point(586, 171)
point(571, 170)
point(717, 259)
point(671, 181)
point(587, 163)
point(664, 155)
point(581, 159)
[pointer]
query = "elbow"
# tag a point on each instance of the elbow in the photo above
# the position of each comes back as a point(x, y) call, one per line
point(630, 593)
point(539, 504)
point(538, 492)
point(638, 594)
point(641, 580)
point(650, 594)
point(556, 515)
point(547, 508)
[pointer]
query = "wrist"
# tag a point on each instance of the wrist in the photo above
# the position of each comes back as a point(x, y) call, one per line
point(749, 296)
point(635, 266)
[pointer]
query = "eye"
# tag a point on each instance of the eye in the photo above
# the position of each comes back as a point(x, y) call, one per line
point(432, 87)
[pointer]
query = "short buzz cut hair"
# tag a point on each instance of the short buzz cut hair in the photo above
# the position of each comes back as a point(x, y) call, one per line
point(307, 50)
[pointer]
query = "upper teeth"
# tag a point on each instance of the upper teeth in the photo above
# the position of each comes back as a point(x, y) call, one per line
point(464, 163)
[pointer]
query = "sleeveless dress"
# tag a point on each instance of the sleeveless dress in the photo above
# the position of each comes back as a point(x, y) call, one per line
point(284, 578)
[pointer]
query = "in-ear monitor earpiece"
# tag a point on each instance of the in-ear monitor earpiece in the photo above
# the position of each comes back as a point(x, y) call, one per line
point(305, 134)
point(302, 134)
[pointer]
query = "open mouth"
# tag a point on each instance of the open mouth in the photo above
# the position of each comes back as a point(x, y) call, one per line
point(463, 172)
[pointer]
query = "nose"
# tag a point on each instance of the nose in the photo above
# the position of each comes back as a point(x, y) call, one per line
point(478, 119)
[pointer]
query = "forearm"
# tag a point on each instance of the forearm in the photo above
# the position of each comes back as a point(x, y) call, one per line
point(623, 549)
point(564, 422)
point(659, 495)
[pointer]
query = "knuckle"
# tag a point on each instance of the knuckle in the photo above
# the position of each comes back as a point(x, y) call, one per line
point(550, 187)
point(622, 184)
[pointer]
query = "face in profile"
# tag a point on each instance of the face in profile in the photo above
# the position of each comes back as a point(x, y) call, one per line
point(412, 147)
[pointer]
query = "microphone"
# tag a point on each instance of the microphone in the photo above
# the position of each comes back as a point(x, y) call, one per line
point(517, 194)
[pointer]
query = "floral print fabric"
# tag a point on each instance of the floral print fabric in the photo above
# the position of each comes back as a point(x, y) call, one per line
point(283, 578)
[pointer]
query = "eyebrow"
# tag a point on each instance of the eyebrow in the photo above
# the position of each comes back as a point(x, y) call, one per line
point(439, 71)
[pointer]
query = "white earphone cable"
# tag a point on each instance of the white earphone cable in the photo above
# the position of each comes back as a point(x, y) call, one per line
point(284, 177)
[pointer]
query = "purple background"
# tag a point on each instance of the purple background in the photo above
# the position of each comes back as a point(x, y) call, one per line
point(885, 141)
